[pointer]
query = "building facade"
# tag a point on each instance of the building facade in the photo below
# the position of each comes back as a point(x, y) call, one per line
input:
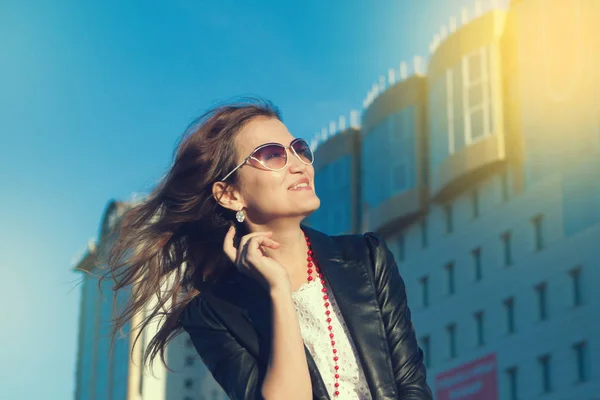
point(337, 168)
point(114, 371)
point(483, 176)
point(102, 370)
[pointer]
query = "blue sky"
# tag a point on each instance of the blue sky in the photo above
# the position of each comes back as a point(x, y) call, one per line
point(94, 95)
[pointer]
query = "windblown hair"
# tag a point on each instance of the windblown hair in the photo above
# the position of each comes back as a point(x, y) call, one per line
point(169, 247)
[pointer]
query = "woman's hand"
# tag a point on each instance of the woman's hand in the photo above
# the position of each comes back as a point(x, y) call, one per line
point(251, 261)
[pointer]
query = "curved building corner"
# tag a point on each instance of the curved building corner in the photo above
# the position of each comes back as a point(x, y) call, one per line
point(467, 138)
point(394, 141)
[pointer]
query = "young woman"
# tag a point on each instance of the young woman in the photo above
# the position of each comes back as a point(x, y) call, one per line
point(276, 310)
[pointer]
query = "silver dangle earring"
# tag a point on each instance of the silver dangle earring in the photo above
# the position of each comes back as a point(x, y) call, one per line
point(240, 216)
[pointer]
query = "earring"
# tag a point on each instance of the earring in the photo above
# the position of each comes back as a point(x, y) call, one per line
point(240, 216)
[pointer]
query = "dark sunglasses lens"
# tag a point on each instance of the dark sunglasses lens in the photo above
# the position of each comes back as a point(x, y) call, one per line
point(273, 156)
point(303, 150)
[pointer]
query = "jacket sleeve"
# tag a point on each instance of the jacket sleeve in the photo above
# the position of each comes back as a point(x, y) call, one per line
point(407, 357)
point(230, 364)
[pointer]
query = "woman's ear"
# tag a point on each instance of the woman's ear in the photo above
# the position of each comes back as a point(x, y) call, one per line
point(227, 196)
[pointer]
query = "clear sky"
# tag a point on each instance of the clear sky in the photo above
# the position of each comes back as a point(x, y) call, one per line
point(94, 95)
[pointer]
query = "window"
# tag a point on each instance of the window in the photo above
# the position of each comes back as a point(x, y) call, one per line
point(450, 277)
point(479, 327)
point(504, 186)
point(143, 355)
point(398, 175)
point(401, 248)
point(426, 345)
point(424, 237)
point(506, 246)
point(540, 291)
point(575, 274)
point(477, 270)
point(425, 291)
point(450, 111)
point(474, 204)
point(448, 218)
point(189, 361)
point(511, 377)
point(580, 350)
point(476, 96)
point(451, 331)
point(545, 378)
point(189, 343)
point(538, 232)
point(509, 306)
point(188, 383)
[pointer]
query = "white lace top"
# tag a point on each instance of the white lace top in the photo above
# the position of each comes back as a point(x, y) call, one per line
point(311, 316)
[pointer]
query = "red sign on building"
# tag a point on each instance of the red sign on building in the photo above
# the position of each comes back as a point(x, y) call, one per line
point(476, 380)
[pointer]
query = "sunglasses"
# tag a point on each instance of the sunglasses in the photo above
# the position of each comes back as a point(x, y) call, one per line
point(274, 156)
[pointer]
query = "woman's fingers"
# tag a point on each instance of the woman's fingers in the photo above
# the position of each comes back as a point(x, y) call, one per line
point(257, 239)
point(249, 236)
point(252, 248)
point(229, 245)
point(260, 241)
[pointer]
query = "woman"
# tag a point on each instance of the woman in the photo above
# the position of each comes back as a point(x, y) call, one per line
point(276, 310)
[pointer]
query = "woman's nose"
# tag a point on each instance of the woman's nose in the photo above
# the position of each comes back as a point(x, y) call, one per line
point(295, 164)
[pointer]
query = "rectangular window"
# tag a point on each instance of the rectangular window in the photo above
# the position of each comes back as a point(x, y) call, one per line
point(450, 111)
point(401, 248)
point(424, 237)
point(540, 291)
point(474, 204)
point(580, 350)
point(575, 274)
point(451, 331)
point(545, 373)
point(504, 186)
point(506, 247)
point(425, 291)
point(450, 277)
point(479, 327)
point(538, 232)
point(509, 306)
point(448, 218)
point(511, 378)
point(476, 96)
point(425, 346)
point(398, 176)
point(189, 361)
point(477, 267)
point(188, 383)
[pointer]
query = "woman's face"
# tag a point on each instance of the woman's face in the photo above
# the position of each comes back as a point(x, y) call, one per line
point(268, 194)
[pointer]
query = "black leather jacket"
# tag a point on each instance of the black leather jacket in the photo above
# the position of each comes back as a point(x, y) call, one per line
point(230, 325)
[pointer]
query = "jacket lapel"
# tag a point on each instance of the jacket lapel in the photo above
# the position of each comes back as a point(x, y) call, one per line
point(253, 303)
point(355, 296)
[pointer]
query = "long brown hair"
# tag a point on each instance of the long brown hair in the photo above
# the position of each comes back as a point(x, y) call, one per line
point(169, 246)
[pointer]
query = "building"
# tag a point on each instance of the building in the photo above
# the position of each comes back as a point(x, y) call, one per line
point(102, 371)
point(483, 176)
point(106, 371)
point(337, 167)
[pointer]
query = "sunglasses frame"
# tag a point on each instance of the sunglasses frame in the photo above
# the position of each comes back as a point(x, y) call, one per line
point(287, 159)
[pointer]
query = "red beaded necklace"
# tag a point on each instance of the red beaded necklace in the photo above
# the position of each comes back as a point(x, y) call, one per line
point(327, 311)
